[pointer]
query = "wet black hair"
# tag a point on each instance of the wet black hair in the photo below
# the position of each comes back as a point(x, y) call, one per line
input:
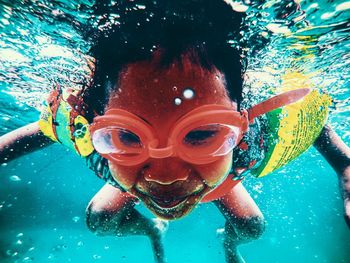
point(127, 31)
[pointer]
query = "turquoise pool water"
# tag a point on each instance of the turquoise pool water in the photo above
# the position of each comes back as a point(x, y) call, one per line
point(43, 195)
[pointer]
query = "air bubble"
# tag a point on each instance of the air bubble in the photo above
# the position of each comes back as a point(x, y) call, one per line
point(327, 15)
point(15, 178)
point(220, 231)
point(177, 101)
point(343, 6)
point(188, 93)
point(142, 7)
point(76, 219)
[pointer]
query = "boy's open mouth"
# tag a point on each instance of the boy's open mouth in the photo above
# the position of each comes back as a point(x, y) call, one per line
point(170, 207)
point(167, 202)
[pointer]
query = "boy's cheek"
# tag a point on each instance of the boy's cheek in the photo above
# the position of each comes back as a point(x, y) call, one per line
point(125, 176)
point(214, 173)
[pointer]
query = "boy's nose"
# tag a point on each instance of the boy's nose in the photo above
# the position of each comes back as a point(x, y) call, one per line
point(166, 171)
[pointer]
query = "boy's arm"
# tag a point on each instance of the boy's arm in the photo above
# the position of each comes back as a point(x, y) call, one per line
point(337, 153)
point(24, 140)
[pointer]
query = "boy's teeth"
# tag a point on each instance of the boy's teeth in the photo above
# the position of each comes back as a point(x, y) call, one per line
point(168, 203)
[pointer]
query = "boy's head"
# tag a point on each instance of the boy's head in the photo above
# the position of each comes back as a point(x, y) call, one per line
point(144, 64)
point(170, 187)
point(130, 31)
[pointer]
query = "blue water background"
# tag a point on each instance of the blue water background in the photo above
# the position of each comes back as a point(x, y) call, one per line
point(42, 210)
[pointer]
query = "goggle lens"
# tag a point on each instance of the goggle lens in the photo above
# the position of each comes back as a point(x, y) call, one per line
point(116, 140)
point(210, 140)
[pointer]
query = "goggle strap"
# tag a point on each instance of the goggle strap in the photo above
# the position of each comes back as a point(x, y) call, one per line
point(276, 102)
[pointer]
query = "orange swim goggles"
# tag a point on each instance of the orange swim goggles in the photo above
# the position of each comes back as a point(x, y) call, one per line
point(200, 137)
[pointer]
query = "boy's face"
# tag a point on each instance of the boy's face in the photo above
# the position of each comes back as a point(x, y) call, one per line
point(169, 187)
